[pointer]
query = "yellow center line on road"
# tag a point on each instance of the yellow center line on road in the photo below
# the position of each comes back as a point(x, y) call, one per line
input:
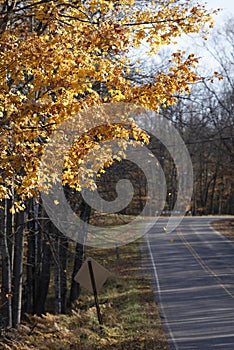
point(202, 263)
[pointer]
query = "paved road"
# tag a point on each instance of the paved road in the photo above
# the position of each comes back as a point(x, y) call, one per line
point(193, 270)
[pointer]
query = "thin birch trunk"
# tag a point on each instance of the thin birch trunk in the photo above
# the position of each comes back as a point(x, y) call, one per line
point(79, 255)
point(6, 290)
point(44, 277)
point(57, 273)
point(18, 269)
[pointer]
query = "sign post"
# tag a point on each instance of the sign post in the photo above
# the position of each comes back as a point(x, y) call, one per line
point(92, 276)
point(94, 291)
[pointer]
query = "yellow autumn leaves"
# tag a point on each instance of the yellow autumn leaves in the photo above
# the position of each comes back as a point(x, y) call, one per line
point(58, 58)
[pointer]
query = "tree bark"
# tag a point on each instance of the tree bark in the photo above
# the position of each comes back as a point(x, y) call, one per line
point(33, 257)
point(6, 290)
point(44, 277)
point(63, 259)
point(18, 269)
point(79, 254)
point(60, 246)
point(57, 272)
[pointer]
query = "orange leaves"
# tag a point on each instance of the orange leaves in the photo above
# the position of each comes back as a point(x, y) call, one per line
point(94, 145)
point(58, 58)
point(162, 91)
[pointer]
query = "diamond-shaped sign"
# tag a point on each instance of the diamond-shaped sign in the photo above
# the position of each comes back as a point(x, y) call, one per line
point(100, 275)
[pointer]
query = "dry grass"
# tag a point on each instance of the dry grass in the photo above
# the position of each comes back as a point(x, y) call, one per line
point(226, 227)
point(130, 315)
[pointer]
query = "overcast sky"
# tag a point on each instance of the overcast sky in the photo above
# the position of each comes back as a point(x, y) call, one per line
point(192, 43)
point(226, 5)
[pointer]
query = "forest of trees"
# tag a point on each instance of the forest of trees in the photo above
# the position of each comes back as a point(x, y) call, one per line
point(60, 57)
point(206, 121)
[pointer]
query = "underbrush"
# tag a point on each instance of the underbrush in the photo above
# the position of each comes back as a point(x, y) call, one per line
point(130, 316)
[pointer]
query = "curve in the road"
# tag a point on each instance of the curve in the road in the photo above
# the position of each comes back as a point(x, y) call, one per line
point(193, 273)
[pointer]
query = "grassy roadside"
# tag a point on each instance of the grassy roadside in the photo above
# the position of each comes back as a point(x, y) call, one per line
point(130, 315)
point(226, 227)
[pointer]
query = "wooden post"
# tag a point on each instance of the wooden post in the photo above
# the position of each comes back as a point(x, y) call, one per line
point(117, 251)
point(94, 291)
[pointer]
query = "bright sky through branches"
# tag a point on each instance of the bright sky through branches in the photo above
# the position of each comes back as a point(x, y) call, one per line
point(194, 43)
point(227, 7)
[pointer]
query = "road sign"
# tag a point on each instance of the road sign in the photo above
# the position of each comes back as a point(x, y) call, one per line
point(99, 272)
point(92, 276)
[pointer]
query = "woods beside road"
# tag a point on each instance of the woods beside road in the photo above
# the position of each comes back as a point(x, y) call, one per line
point(66, 64)
point(127, 301)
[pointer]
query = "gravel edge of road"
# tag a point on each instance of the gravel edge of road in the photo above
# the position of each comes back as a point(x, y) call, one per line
point(225, 227)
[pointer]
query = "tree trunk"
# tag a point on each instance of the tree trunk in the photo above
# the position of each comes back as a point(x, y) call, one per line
point(33, 257)
point(57, 272)
point(60, 271)
point(63, 271)
point(79, 254)
point(6, 291)
point(44, 277)
point(28, 307)
point(38, 227)
point(18, 269)
point(75, 287)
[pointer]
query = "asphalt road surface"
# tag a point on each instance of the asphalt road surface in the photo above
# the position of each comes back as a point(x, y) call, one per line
point(193, 278)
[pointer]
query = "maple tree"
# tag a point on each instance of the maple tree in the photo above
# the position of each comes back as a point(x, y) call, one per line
point(61, 57)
